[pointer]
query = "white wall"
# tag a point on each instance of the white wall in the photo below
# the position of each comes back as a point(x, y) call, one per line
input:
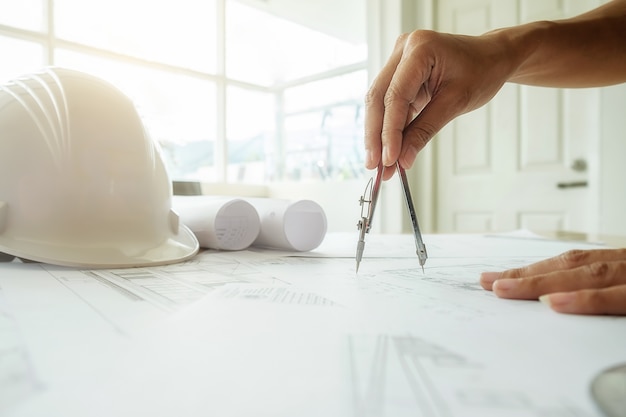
point(612, 163)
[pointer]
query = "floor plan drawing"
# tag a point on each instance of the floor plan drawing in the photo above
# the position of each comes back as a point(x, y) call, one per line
point(405, 375)
point(299, 334)
point(18, 380)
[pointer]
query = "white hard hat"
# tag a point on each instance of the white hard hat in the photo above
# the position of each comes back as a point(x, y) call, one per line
point(81, 182)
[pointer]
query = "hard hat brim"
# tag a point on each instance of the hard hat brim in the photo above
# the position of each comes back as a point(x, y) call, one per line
point(173, 249)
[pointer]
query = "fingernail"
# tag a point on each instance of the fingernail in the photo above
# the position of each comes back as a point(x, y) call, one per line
point(545, 299)
point(368, 158)
point(557, 300)
point(386, 157)
point(489, 277)
point(505, 284)
point(410, 154)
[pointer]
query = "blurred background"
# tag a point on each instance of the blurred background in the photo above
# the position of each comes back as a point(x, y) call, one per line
point(266, 98)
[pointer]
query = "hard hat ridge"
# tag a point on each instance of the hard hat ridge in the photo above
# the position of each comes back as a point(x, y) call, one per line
point(43, 99)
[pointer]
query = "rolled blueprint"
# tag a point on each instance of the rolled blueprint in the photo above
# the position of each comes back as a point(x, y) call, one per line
point(290, 225)
point(219, 223)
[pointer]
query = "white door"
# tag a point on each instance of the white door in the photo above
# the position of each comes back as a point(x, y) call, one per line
point(520, 161)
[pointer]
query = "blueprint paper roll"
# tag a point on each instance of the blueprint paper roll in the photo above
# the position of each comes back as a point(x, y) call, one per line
point(290, 225)
point(219, 223)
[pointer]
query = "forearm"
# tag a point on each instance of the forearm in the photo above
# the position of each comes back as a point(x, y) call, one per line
point(584, 51)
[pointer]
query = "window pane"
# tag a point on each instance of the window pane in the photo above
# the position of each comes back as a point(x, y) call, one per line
point(179, 111)
point(325, 144)
point(25, 56)
point(324, 128)
point(266, 49)
point(179, 33)
point(250, 131)
point(24, 14)
point(349, 87)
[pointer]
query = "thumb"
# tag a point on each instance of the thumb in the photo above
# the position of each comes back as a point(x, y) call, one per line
point(438, 113)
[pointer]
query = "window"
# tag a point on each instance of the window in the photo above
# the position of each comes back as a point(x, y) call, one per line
point(234, 90)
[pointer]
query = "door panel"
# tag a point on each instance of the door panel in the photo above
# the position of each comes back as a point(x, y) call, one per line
point(499, 167)
point(541, 141)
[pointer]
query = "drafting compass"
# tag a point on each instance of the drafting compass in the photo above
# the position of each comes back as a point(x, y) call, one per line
point(368, 205)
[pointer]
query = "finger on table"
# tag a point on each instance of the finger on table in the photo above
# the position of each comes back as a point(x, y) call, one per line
point(611, 300)
point(567, 260)
point(593, 276)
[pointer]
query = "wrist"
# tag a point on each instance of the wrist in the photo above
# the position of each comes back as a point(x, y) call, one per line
point(520, 46)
